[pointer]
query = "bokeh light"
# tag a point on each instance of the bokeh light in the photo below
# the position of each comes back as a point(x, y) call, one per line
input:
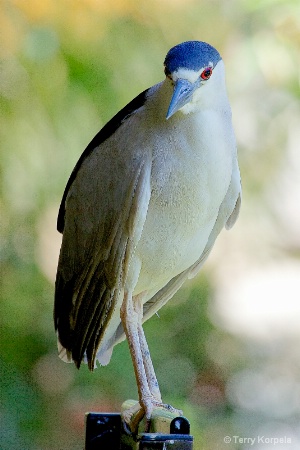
point(226, 348)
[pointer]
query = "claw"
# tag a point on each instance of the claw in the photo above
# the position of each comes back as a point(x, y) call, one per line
point(132, 418)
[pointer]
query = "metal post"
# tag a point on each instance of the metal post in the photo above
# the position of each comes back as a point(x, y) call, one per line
point(105, 431)
point(152, 441)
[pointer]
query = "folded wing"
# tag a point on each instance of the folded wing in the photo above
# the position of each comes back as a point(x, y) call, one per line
point(105, 210)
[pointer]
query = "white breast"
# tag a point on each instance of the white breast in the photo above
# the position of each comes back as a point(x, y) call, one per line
point(191, 172)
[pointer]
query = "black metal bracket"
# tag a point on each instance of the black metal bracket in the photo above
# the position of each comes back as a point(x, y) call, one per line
point(102, 431)
point(105, 431)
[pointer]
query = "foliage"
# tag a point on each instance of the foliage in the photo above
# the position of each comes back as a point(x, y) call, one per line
point(66, 68)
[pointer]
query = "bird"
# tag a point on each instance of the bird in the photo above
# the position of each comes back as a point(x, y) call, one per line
point(141, 212)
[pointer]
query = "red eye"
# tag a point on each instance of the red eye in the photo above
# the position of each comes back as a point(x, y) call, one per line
point(206, 73)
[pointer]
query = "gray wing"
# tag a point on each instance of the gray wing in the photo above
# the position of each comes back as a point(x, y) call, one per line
point(105, 210)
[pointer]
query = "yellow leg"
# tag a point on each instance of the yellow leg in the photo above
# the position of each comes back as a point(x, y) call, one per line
point(148, 389)
point(130, 319)
point(149, 369)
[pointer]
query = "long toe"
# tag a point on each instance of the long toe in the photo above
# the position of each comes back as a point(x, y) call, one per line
point(132, 417)
point(167, 407)
point(157, 412)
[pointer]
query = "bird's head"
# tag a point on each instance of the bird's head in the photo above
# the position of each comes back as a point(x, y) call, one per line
point(189, 66)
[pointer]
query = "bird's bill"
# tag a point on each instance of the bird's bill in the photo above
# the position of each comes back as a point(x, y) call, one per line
point(182, 93)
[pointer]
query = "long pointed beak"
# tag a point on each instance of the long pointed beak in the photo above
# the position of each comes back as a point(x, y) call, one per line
point(182, 93)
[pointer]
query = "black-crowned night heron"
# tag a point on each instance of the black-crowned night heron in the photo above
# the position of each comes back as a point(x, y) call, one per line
point(142, 210)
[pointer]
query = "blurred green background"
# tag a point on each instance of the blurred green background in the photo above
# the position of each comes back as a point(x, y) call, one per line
point(226, 348)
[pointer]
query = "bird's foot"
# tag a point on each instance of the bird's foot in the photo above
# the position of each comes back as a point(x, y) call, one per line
point(158, 405)
point(154, 404)
point(169, 408)
point(133, 416)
